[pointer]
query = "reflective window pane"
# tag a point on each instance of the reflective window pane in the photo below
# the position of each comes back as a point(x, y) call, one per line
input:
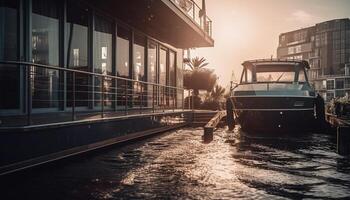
point(139, 69)
point(162, 76)
point(152, 72)
point(103, 60)
point(9, 74)
point(123, 47)
point(77, 53)
point(123, 65)
point(45, 50)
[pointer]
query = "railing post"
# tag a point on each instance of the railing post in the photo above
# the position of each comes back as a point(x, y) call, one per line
point(153, 91)
point(29, 96)
point(73, 98)
point(183, 99)
point(126, 97)
point(164, 98)
point(189, 99)
point(141, 100)
point(174, 102)
point(102, 97)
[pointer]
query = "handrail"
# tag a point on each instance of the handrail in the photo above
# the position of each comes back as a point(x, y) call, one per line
point(142, 95)
point(82, 72)
point(205, 23)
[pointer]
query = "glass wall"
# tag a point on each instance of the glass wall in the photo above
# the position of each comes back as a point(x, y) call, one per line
point(139, 69)
point(123, 64)
point(152, 72)
point(162, 75)
point(103, 35)
point(45, 43)
point(172, 79)
point(77, 52)
point(9, 74)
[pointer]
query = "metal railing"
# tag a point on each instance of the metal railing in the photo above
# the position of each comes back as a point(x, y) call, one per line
point(193, 11)
point(90, 94)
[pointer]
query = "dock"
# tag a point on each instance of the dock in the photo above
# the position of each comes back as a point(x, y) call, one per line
point(343, 132)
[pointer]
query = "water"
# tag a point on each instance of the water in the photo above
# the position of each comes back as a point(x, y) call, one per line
point(179, 165)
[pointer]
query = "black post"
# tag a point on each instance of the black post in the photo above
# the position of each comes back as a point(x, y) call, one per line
point(102, 97)
point(141, 98)
point(29, 96)
point(73, 99)
point(126, 97)
point(153, 98)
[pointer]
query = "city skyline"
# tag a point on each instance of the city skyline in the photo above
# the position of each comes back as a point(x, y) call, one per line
point(268, 19)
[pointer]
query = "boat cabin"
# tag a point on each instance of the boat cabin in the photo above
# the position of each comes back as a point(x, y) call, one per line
point(274, 71)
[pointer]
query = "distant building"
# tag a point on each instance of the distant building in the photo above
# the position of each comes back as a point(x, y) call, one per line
point(327, 48)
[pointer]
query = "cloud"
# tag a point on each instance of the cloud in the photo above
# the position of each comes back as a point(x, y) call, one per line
point(303, 17)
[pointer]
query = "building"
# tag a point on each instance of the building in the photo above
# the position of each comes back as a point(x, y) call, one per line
point(327, 48)
point(79, 74)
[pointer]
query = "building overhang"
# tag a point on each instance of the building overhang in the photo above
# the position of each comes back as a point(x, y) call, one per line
point(163, 20)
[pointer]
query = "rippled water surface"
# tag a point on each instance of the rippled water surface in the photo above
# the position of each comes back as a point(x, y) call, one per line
point(179, 165)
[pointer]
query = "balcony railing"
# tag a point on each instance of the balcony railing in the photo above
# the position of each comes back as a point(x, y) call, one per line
point(193, 11)
point(55, 94)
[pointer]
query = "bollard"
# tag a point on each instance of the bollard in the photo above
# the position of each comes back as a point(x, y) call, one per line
point(343, 140)
point(208, 134)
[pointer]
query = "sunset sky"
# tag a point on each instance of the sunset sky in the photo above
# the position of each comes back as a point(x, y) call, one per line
point(249, 29)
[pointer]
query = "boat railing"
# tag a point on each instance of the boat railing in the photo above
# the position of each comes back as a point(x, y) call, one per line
point(63, 94)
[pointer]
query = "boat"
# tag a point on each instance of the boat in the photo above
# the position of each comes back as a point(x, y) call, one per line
point(274, 94)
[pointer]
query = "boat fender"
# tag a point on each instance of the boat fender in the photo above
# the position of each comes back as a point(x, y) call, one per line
point(229, 114)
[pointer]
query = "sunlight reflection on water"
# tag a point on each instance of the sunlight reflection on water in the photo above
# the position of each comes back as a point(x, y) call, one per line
point(179, 164)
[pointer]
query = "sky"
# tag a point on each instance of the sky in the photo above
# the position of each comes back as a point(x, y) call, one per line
point(249, 29)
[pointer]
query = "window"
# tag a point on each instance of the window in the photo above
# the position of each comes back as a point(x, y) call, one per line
point(77, 52)
point(347, 83)
point(139, 68)
point(330, 84)
point(275, 74)
point(123, 48)
point(103, 60)
point(162, 74)
point(139, 57)
point(302, 76)
point(45, 43)
point(172, 78)
point(339, 83)
point(152, 72)
point(339, 93)
point(123, 64)
point(9, 74)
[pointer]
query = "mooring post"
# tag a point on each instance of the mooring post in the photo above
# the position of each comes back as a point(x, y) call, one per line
point(208, 134)
point(343, 140)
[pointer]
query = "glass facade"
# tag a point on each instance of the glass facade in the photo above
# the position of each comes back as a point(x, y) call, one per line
point(74, 36)
point(123, 64)
point(152, 72)
point(77, 52)
point(139, 69)
point(103, 36)
point(9, 74)
point(45, 43)
point(163, 64)
point(172, 78)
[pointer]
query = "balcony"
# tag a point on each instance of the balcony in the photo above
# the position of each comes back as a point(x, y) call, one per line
point(180, 23)
point(192, 10)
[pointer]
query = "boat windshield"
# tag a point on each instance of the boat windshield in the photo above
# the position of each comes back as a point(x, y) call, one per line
point(275, 74)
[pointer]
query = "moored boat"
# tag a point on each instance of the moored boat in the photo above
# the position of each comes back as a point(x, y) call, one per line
point(274, 95)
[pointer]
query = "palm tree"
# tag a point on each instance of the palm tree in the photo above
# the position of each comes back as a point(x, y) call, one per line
point(196, 63)
point(217, 93)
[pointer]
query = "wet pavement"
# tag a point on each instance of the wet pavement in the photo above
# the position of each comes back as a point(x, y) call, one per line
point(179, 165)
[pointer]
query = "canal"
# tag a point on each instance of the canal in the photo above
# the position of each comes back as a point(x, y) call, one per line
point(179, 165)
